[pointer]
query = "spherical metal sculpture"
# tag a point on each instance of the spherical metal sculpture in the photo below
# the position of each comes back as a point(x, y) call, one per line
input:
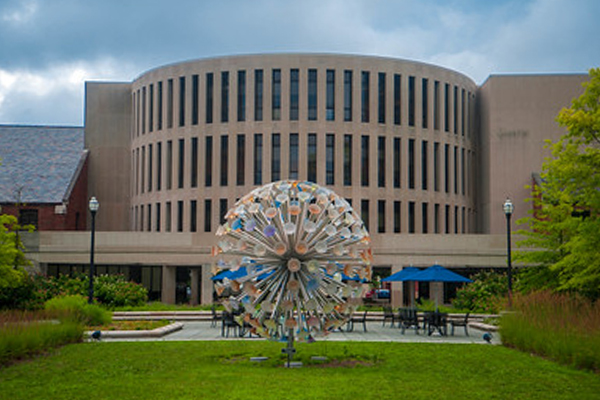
point(304, 251)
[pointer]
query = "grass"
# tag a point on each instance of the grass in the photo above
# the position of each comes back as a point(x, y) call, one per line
point(222, 370)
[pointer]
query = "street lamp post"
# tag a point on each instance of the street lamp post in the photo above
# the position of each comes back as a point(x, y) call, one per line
point(94, 205)
point(508, 210)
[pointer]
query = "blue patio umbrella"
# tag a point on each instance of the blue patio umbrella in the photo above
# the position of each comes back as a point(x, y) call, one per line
point(437, 273)
point(402, 275)
point(222, 275)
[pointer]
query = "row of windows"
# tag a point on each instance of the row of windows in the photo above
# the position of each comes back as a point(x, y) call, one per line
point(452, 106)
point(450, 164)
point(437, 219)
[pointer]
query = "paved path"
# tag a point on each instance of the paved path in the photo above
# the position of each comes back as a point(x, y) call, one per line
point(202, 330)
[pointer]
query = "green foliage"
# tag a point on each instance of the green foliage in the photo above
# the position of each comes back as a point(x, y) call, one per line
point(14, 281)
point(114, 291)
point(562, 327)
point(486, 294)
point(563, 235)
point(75, 308)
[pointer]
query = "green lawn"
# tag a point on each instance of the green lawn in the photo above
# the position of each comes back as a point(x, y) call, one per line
point(222, 370)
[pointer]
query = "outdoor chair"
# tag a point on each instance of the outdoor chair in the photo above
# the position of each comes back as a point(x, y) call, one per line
point(408, 318)
point(461, 322)
point(388, 314)
point(215, 316)
point(357, 319)
point(228, 322)
point(435, 321)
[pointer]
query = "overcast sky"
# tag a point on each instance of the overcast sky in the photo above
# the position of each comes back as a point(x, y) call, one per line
point(48, 48)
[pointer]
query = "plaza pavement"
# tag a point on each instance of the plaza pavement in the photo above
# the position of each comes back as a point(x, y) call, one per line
point(202, 330)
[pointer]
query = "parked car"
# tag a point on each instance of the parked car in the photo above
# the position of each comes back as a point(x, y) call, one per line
point(378, 294)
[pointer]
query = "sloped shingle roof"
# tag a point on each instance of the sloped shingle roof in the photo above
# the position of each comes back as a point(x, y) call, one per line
point(38, 161)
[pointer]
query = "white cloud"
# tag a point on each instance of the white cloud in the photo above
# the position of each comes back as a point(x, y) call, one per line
point(21, 14)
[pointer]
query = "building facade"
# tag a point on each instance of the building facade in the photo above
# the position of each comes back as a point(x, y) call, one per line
point(422, 153)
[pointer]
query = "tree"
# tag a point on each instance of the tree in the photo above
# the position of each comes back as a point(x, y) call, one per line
point(564, 228)
point(14, 280)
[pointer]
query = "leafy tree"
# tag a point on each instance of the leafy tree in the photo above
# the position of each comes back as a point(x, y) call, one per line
point(485, 294)
point(564, 228)
point(14, 280)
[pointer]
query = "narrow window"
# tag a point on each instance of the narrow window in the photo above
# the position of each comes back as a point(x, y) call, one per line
point(462, 112)
point(364, 161)
point(207, 215)
point(170, 103)
point(275, 157)
point(151, 108)
point(258, 158)
point(149, 219)
point(293, 156)
point(455, 110)
point(180, 216)
point(168, 216)
point(225, 96)
point(193, 216)
point(181, 163)
point(436, 218)
point(381, 98)
point(276, 95)
point(455, 219)
point(447, 219)
point(348, 160)
point(397, 218)
point(411, 101)
point(150, 167)
point(446, 107)
point(143, 110)
point(222, 210)
point(381, 161)
point(312, 158)
point(381, 216)
point(241, 96)
point(330, 96)
point(158, 216)
point(411, 163)
point(330, 159)
point(462, 171)
point(364, 212)
point(447, 168)
point(210, 88)
point(436, 105)
point(365, 111)
point(424, 102)
point(424, 165)
point(436, 166)
point(169, 164)
point(424, 217)
point(241, 159)
point(294, 93)
point(195, 99)
point(143, 182)
point(396, 162)
point(159, 166)
point(159, 111)
point(312, 94)
point(411, 217)
point(181, 100)
point(224, 159)
point(194, 166)
point(347, 95)
point(397, 99)
point(258, 95)
point(208, 160)
point(455, 170)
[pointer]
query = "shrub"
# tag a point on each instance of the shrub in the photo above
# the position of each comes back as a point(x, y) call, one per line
point(486, 294)
point(75, 308)
point(115, 291)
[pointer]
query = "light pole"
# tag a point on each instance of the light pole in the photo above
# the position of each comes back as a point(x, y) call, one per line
point(508, 210)
point(94, 205)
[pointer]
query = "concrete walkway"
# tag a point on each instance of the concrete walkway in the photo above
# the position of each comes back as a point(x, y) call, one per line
point(202, 330)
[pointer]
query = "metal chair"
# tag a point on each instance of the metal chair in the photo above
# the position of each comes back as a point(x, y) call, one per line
point(464, 322)
point(388, 314)
point(408, 318)
point(359, 320)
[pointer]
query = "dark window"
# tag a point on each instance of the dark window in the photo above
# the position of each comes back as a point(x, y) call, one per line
point(381, 216)
point(312, 157)
point(241, 159)
point(194, 166)
point(411, 163)
point(275, 157)
point(424, 164)
point(159, 110)
point(436, 166)
point(381, 98)
point(258, 95)
point(365, 111)
point(424, 102)
point(462, 171)
point(224, 159)
point(195, 99)
point(181, 163)
point(364, 161)
point(159, 166)
point(169, 164)
point(170, 103)
point(446, 107)
point(241, 97)
point(455, 109)
point(447, 219)
point(364, 212)
point(455, 170)
point(143, 179)
point(180, 216)
point(207, 215)
point(381, 161)
point(181, 100)
point(330, 96)
point(293, 156)
point(312, 94)
point(276, 95)
point(144, 110)
point(347, 160)
point(28, 217)
point(222, 210)
point(436, 105)
point(193, 216)
point(436, 218)
point(150, 167)
point(455, 219)
point(294, 94)
point(258, 158)
point(397, 99)
point(397, 218)
point(424, 217)
point(411, 217)
point(462, 112)
point(151, 108)
point(210, 89)
point(158, 216)
point(224, 96)
point(330, 159)
point(168, 216)
point(208, 160)
point(447, 168)
point(347, 95)
point(411, 101)
point(396, 161)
